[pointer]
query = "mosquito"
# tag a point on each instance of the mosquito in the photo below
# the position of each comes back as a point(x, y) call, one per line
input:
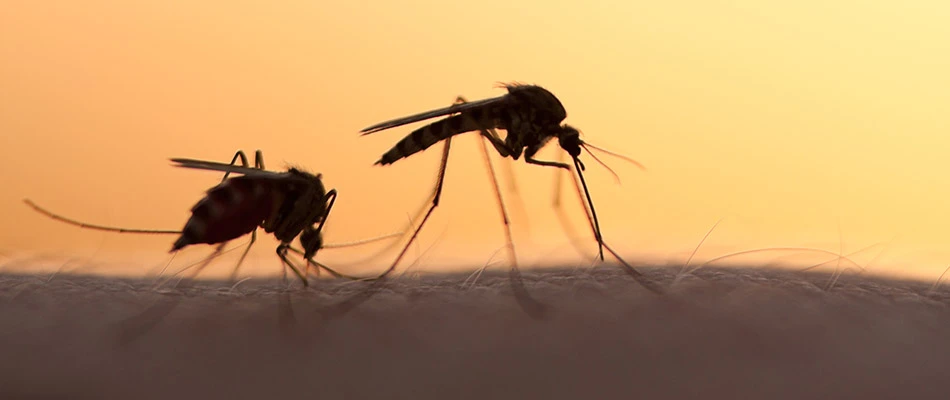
point(532, 117)
point(286, 204)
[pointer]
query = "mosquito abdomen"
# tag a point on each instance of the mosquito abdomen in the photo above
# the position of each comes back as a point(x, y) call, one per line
point(426, 136)
point(228, 211)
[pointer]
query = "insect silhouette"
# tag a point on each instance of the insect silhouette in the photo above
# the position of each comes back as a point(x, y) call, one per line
point(531, 115)
point(286, 204)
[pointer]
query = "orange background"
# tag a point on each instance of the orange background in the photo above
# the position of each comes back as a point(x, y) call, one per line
point(800, 123)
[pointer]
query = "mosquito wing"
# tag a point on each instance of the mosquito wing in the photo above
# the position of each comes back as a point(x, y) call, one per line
point(216, 166)
point(455, 108)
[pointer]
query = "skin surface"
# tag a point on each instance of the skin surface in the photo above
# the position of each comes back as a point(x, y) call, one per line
point(722, 333)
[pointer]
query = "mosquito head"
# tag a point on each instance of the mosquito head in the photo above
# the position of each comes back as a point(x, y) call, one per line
point(569, 138)
point(311, 240)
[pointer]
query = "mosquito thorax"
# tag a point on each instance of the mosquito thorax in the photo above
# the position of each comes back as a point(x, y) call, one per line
point(314, 179)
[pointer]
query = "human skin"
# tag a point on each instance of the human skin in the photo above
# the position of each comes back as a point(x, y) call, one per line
point(721, 333)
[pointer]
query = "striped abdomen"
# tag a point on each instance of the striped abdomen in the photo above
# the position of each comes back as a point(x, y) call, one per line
point(230, 210)
point(424, 137)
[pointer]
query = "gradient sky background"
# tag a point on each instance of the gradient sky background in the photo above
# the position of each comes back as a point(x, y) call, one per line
point(810, 123)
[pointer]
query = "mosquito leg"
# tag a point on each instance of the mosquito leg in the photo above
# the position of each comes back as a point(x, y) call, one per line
point(561, 215)
point(521, 294)
point(531, 160)
point(492, 136)
point(282, 253)
point(258, 159)
point(330, 198)
point(240, 154)
point(135, 326)
point(501, 206)
point(591, 219)
point(513, 190)
point(592, 216)
point(259, 164)
point(436, 196)
point(244, 255)
point(334, 272)
point(505, 220)
point(204, 264)
point(558, 178)
point(377, 281)
point(285, 317)
point(530, 305)
point(311, 238)
point(489, 133)
point(348, 304)
point(502, 148)
point(325, 267)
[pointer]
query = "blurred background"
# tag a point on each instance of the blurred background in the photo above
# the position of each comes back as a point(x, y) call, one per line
point(797, 124)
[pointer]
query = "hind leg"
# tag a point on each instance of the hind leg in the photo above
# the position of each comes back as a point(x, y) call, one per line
point(491, 136)
point(258, 161)
point(133, 327)
point(499, 145)
point(502, 148)
point(285, 317)
point(436, 196)
point(529, 304)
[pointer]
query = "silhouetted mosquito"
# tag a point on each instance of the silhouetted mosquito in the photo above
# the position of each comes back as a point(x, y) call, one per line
point(531, 115)
point(287, 204)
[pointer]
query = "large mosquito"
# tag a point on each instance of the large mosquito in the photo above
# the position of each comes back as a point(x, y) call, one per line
point(287, 204)
point(531, 115)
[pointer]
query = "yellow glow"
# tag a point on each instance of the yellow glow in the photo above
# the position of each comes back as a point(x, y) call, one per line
point(809, 123)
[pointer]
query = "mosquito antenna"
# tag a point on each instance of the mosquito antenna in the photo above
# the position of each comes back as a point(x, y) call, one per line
point(600, 241)
point(616, 177)
point(620, 156)
point(70, 221)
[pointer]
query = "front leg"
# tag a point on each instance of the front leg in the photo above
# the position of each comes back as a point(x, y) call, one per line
point(531, 160)
point(282, 253)
point(533, 149)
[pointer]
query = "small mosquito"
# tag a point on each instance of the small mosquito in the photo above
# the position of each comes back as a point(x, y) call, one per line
point(531, 115)
point(287, 204)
